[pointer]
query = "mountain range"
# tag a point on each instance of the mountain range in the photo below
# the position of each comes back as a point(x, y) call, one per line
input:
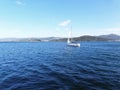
point(109, 37)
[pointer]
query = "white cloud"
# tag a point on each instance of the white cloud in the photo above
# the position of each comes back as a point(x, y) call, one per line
point(65, 23)
point(18, 2)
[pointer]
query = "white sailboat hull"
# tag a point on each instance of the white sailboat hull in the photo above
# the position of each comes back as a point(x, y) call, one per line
point(74, 44)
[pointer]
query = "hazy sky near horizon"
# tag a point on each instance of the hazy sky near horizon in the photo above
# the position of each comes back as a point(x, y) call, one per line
point(46, 18)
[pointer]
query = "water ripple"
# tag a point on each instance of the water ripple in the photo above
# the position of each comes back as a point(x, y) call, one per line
point(53, 66)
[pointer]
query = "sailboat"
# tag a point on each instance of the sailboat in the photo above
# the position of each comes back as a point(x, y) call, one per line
point(70, 43)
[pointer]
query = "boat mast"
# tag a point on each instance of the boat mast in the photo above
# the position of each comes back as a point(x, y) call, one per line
point(68, 41)
point(71, 33)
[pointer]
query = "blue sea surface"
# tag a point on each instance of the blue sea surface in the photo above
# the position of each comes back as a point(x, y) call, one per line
point(55, 66)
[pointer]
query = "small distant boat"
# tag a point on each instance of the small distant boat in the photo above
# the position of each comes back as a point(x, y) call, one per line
point(70, 43)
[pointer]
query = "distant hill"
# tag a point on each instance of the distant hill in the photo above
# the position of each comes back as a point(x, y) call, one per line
point(20, 40)
point(85, 38)
point(90, 38)
point(110, 36)
point(29, 40)
point(49, 39)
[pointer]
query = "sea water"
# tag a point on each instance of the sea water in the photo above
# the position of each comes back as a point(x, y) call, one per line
point(55, 66)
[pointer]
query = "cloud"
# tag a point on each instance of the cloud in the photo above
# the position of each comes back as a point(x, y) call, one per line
point(18, 2)
point(65, 23)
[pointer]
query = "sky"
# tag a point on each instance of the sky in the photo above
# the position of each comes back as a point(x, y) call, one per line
point(53, 18)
